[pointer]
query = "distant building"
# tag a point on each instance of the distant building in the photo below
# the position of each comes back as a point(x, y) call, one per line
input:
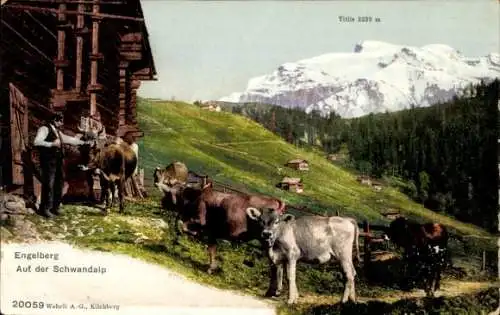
point(211, 106)
point(291, 184)
point(336, 157)
point(368, 181)
point(298, 164)
point(364, 180)
point(377, 186)
point(391, 214)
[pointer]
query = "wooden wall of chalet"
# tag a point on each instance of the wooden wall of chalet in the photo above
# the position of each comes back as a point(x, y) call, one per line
point(51, 57)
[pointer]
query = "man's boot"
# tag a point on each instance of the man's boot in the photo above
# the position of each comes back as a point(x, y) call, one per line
point(45, 213)
point(55, 211)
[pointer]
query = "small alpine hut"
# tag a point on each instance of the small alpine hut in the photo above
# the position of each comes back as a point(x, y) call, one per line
point(291, 184)
point(211, 106)
point(82, 58)
point(298, 164)
point(336, 157)
point(365, 180)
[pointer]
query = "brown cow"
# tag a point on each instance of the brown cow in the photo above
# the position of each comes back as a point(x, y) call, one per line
point(115, 162)
point(223, 216)
point(425, 247)
point(175, 172)
point(178, 198)
point(194, 212)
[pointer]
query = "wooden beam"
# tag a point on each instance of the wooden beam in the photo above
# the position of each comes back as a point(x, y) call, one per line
point(61, 38)
point(26, 41)
point(70, 12)
point(131, 46)
point(131, 37)
point(135, 84)
point(79, 48)
point(93, 63)
point(59, 99)
point(143, 71)
point(131, 55)
point(145, 77)
point(123, 77)
point(42, 25)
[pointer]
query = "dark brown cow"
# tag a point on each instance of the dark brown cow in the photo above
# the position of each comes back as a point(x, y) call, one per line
point(221, 215)
point(425, 247)
point(196, 216)
point(194, 212)
point(178, 185)
point(178, 198)
point(115, 162)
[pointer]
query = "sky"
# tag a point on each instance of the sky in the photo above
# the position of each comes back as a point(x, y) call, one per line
point(204, 50)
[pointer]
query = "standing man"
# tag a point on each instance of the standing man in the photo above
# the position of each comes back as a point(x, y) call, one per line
point(49, 140)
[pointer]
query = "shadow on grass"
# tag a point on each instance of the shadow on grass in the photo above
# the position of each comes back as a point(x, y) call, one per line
point(387, 273)
point(478, 303)
point(176, 252)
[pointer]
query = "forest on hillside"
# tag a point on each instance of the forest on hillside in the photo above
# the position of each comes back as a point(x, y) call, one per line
point(446, 154)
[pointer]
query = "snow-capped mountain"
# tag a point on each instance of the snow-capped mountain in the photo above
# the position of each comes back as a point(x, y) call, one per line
point(376, 77)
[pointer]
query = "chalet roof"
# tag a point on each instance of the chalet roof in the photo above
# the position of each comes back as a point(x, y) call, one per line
point(291, 180)
point(295, 161)
point(136, 12)
point(363, 177)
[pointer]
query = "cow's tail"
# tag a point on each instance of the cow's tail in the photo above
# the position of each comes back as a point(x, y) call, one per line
point(356, 238)
point(356, 228)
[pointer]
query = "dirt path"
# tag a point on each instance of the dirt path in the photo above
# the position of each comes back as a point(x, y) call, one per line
point(248, 142)
point(448, 288)
point(120, 282)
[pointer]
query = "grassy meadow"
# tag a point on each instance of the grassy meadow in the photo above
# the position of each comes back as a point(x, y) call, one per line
point(237, 151)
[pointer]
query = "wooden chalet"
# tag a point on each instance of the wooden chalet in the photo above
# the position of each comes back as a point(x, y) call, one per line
point(368, 181)
point(298, 164)
point(291, 184)
point(391, 214)
point(211, 106)
point(82, 58)
point(364, 180)
point(336, 157)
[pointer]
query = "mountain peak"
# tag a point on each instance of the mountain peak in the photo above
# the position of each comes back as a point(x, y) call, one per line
point(375, 77)
point(368, 46)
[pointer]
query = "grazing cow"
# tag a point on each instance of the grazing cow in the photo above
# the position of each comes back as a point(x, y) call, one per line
point(210, 198)
point(313, 239)
point(178, 198)
point(177, 191)
point(425, 247)
point(221, 215)
point(115, 162)
point(174, 172)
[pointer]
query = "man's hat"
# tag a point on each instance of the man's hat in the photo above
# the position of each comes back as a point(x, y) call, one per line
point(56, 117)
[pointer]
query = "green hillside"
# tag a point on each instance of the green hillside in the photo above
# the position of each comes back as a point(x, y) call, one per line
point(237, 151)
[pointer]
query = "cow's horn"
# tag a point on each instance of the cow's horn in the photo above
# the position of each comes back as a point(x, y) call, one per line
point(253, 213)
